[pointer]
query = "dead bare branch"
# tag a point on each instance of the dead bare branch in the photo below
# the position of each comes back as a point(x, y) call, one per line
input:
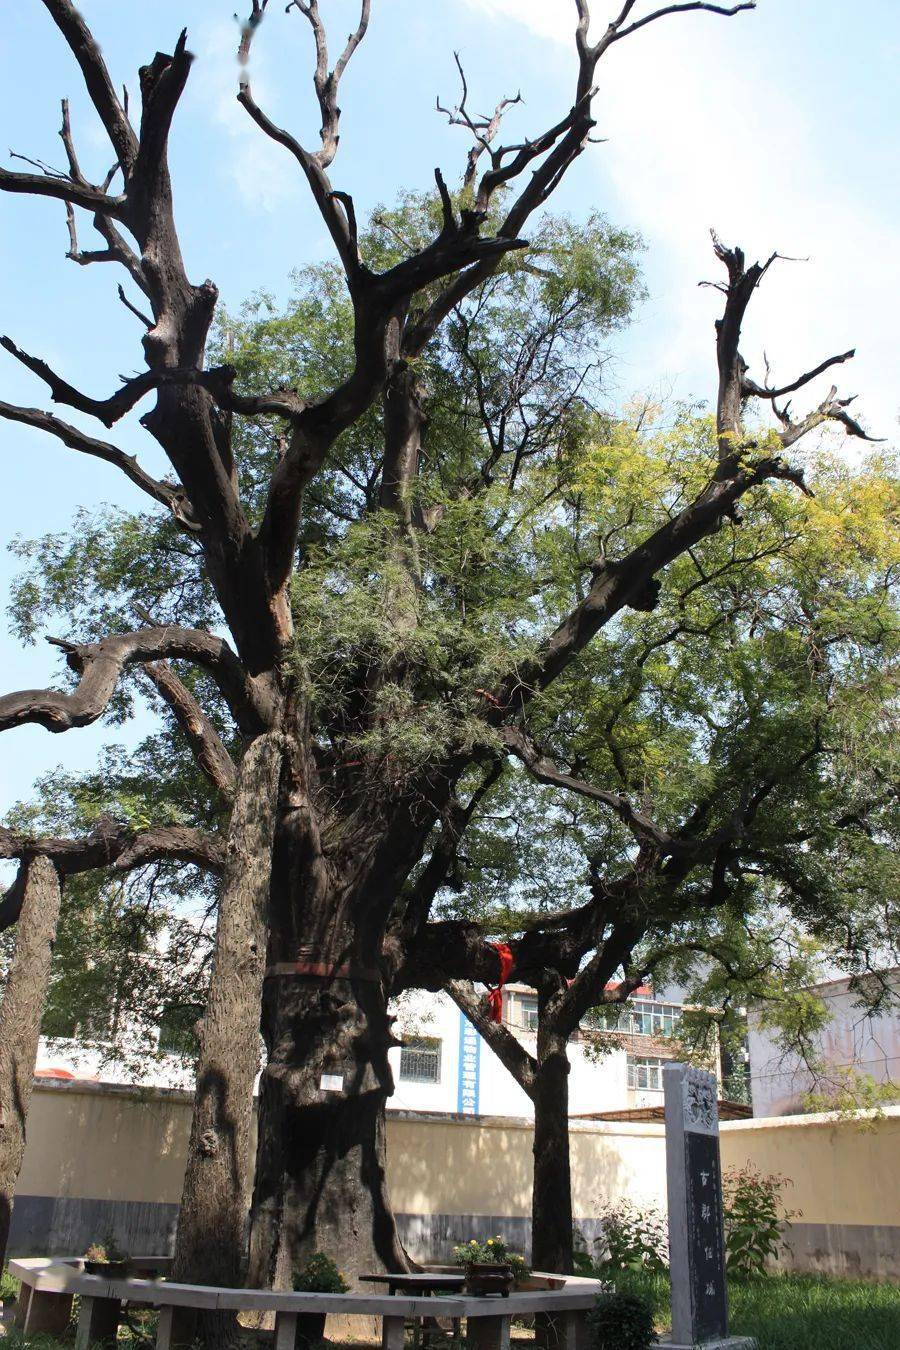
point(483, 129)
point(206, 744)
point(755, 390)
point(62, 190)
point(168, 494)
point(113, 843)
point(108, 410)
point(99, 666)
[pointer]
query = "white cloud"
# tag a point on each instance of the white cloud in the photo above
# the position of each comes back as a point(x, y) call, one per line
point(261, 170)
point(700, 136)
point(547, 18)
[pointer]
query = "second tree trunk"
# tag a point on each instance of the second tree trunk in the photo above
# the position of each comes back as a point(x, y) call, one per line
point(551, 1212)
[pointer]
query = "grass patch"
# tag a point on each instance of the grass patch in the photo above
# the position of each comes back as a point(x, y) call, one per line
point(796, 1312)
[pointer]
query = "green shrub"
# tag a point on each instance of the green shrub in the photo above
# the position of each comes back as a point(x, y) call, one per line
point(320, 1275)
point(9, 1287)
point(635, 1239)
point(755, 1219)
point(621, 1322)
point(493, 1251)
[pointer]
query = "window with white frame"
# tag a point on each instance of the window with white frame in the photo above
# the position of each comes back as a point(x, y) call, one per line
point(528, 1013)
point(650, 1018)
point(645, 1073)
point(640, 1017)
point(420, 1060)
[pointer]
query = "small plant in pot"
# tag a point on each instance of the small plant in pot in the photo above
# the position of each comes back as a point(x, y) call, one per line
point(490, 1267)
point(320, 1275)
point(105, 1258)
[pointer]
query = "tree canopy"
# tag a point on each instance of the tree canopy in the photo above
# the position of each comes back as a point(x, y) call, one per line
point(434, 627)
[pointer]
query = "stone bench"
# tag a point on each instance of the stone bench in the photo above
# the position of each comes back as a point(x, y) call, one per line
point(53, 1282)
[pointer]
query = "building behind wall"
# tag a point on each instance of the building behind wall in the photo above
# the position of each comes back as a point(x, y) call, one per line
point(852, 1045)
point(444, 1065)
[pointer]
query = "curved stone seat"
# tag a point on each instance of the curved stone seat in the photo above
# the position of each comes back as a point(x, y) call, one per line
point(52, 1283)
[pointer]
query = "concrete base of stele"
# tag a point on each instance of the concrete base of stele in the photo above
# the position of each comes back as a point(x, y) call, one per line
point(729, 1343)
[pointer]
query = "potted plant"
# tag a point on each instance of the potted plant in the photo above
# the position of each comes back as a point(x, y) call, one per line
point(106, 1259)
point(490, 1267)
point(320, 1275)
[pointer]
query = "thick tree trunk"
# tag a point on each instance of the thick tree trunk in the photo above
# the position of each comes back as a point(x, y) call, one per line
point(212, 1229)
point(320, 1171)
point(551, 1214)
point(20, 1022)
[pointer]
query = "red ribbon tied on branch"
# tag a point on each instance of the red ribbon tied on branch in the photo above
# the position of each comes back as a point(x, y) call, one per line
point(495, 995)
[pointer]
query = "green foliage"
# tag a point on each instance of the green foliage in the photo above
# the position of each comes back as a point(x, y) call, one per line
point(15, 1340)
point(723, 677)
point(91, 577)
point(777, 633)
point(621, 1322)
point(736, 1087)
point(492, 1251)
point(795, 1312)
point(128, 947)
point(434, 643)
point(530, 336)
point(755, 1219)
point(774, 635)
point(582, 1261)
point(9, 1286)
point(431, 658)
point(320, 1275)
point(178, 1032)
point(808, 1312)
point(847, 1091)
point(634, 1238)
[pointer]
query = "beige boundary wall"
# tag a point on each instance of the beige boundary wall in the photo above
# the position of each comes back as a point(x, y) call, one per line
point(104, 1161)
point(845, 1176)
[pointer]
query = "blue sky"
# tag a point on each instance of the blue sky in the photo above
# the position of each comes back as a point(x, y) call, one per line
point(780, 128)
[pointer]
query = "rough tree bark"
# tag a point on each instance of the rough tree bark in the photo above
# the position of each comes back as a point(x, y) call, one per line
point(551, 1196)
point(20, 1020)
point(211, 1239)
point(320, 1170)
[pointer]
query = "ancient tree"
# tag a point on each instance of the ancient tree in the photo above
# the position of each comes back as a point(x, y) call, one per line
point(382, 671)
point(36, 896)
